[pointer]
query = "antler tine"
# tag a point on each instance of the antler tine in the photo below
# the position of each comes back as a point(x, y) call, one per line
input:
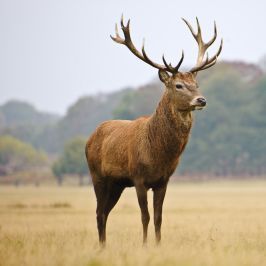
point(168, 66)
point(125, 29)
point(210, 65)
point(201, 65)
point(117, 37)
point(217, 53)
point(199, 29)
point(208, 62)
point(122, 21)
point(211, 41)
point(190, 28)
point(202, 47)
point(180, 61)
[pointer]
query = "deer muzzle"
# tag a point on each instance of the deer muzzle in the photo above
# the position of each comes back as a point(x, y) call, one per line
point(198, 103)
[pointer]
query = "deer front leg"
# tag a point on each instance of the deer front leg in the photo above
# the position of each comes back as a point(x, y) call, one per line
point(143, 203)
point(158, 198)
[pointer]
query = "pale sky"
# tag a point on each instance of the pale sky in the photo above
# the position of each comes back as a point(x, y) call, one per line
point(54, 51)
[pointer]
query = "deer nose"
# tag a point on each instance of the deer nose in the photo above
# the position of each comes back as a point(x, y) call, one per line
point(201, 101)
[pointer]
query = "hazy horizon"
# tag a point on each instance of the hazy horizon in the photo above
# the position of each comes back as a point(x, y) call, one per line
point(52, 53)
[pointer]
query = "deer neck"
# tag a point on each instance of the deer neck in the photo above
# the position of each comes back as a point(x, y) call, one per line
point(169, 128)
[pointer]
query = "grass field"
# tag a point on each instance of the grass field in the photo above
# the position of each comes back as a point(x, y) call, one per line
point(213, 223)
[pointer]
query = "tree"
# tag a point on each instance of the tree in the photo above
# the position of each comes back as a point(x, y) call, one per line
point(227, 137)
point(72, 161)
point(262, 63)
point(17, 156)
point(139, 102)
point(21, 113)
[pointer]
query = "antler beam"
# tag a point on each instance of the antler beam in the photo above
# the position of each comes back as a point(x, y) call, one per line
point(127, 41)
point(202, 48)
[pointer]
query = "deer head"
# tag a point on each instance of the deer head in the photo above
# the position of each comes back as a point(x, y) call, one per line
point(181, 87)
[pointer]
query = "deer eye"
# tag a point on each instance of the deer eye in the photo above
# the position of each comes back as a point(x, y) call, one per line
point(179, 86)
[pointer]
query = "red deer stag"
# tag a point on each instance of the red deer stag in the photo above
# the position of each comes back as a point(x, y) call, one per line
point(145, 152)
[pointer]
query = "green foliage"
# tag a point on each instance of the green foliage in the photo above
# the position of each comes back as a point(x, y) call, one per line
point(20, 113)
point(22, 121)
point(82, 118)
point(139, 102)
point(48, 132)
point(73, 160)
point(17, 156)
point(227, 137)
point(123, 110)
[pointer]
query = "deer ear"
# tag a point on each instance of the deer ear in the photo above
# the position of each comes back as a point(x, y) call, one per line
point(164, 76)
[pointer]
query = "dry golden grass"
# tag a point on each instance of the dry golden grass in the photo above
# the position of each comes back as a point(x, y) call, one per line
point(215, 223)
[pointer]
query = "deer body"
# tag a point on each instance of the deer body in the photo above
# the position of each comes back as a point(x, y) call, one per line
point(145, 152)
point(147, 148)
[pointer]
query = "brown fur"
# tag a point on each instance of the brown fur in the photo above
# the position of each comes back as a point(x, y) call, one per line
point(145, 152)
point(142, 153)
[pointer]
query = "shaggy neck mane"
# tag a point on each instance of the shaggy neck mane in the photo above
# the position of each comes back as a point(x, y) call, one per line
point(168, 130)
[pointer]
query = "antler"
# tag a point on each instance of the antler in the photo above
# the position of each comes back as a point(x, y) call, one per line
point(208, 62)
point(143, 56)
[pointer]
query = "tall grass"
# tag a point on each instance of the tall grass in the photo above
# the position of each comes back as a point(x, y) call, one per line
point(215, 223)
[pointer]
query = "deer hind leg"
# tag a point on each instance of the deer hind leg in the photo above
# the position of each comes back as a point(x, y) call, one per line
point(158, 198)
point(100, 189)
point(115, 191)
point(107, 194)
point(143, 203)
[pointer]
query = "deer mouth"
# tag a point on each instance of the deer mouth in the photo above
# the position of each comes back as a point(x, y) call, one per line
point(198, 107)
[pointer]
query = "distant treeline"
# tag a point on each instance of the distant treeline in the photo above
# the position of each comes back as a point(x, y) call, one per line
point(228, 137)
